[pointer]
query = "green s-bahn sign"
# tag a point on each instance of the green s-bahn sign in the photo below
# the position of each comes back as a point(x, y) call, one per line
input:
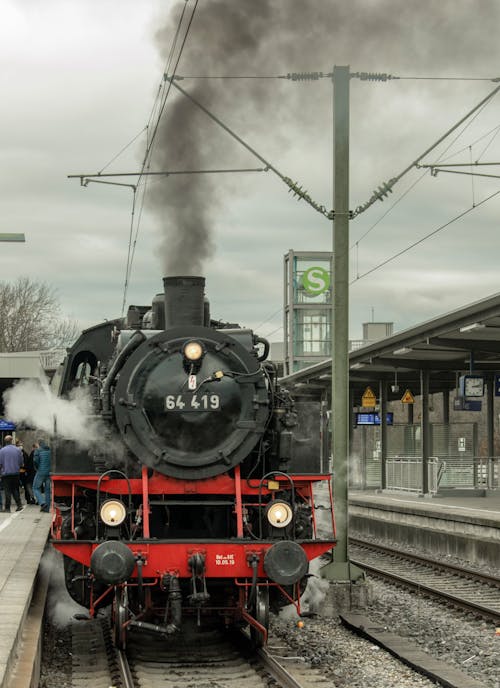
point(315, 281)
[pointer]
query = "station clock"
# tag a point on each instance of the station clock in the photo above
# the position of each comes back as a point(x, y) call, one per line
point(471, 386)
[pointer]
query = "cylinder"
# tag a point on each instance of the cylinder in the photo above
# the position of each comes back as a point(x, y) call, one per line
point(184, 301)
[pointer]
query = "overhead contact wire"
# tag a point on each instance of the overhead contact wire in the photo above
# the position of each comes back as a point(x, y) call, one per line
point(292, 186)
point(156, 104)
point(122, 150)
point(493, 131)
point(270, 317)
point(467, 125)
point(403, 195)
point(149, 142)
point(427, 236)
point(360, 209)
point(149, 146)
point(160, 114)
point(274, 331)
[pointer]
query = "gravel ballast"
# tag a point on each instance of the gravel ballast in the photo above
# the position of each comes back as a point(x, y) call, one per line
point(452, 636)
point(347, 660)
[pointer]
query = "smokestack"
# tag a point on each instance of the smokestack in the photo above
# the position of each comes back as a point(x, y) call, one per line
point(184, 301)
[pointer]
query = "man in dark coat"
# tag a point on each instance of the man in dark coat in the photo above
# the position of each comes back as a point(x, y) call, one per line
point(42, 461)
point(27, 473)
point(11, 460)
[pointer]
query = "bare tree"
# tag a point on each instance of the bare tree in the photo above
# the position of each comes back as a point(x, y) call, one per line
point(31, 319)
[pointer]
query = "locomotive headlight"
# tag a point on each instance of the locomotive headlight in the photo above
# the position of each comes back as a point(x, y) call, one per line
point(193, 351)
point(113, 512)
point(279, 514)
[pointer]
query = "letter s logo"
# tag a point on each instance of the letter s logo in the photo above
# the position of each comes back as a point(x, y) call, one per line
point(315, 281)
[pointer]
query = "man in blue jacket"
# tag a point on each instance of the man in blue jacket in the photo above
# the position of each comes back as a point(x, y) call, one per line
point(41, 461)
point(11, 460)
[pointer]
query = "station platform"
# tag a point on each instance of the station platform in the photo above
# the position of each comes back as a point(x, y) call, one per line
point(466, 527)
point(23, 537)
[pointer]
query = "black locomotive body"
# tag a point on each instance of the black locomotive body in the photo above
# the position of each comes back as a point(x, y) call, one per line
point(196, 499)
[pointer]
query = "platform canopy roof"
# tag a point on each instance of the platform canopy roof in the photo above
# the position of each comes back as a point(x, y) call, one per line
point(462, 341)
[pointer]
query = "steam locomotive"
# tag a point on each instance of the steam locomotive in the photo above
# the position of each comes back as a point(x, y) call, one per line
point(197, 501)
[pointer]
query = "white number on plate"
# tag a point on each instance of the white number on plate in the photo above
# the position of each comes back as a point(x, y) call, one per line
point(203, 402)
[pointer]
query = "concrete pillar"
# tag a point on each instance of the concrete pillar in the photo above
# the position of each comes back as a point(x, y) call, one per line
point(383, 433)
point(425, 429)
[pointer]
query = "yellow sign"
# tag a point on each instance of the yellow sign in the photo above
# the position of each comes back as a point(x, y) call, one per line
point(408, 398)
point(368, 399)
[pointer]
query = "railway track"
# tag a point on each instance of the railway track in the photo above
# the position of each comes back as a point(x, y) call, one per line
point(197, 660)
point(469, 590)
point(287, 670)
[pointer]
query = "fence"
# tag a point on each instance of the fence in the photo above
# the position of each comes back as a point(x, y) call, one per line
point(487, 472)
point(51, 359)
point(452, 445)
point(468, 472)
point(405, 474)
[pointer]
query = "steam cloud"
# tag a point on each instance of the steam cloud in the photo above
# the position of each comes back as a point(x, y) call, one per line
point(313, 597)
point(270, 37)
point(28, 402)
point(61, 608)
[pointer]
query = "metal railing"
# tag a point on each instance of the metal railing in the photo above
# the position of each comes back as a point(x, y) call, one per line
point(487, 472)
point(405, 474)
point(51, 359)
point(452, 472)
point(470, 472)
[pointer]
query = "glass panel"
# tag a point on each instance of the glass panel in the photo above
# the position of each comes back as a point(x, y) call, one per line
point(315, 286)
point(312, 332)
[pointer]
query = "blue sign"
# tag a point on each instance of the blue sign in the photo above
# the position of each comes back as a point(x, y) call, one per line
point(6, 425)
point(463, 404)
point(497, 385)
point(472, 405)
point(372, 418)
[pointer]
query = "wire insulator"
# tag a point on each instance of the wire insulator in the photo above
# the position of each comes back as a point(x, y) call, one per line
point(302, 194)
point(378, 195)
point(305, 76)
point(373, 76)
point(384, 189)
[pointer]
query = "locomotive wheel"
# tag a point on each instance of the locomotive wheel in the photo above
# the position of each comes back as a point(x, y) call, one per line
point(120, 617)
point(260, 612)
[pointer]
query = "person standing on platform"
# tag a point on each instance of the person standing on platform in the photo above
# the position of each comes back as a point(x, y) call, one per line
point(11, 460)
point(41, 460)
point(27, 474)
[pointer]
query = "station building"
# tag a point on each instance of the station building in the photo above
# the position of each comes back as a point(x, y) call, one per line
point(425, 402)
point(38, 366)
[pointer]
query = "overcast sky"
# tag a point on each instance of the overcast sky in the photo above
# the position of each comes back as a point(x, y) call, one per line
point(78, 80)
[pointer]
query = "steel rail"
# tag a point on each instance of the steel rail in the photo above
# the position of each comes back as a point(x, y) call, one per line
point(463, 571)
point(124, 668)
point(427, 587)
point(277, 670)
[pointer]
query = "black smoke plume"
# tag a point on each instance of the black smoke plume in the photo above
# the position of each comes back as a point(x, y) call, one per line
point(276, 37)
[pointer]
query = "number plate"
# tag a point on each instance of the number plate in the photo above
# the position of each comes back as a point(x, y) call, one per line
point(184, 403)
